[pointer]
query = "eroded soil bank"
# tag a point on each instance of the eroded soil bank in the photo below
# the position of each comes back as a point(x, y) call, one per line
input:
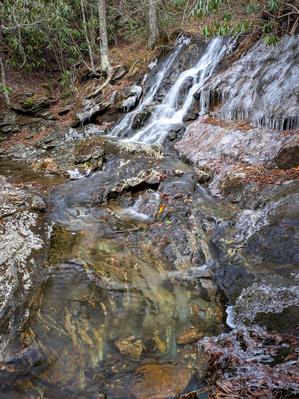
point(130, 270)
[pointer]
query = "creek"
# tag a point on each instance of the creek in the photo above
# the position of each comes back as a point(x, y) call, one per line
point(127, 286)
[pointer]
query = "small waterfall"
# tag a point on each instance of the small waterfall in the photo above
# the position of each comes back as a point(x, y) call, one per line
point(170, 113)
point(126, 122)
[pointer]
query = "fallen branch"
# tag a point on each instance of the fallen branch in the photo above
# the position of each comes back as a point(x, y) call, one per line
point(99, 89)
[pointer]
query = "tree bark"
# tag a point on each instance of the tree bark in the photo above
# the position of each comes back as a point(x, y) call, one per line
point(3, 81)
point(153, 23)
point(105, 62)
point(86, 37)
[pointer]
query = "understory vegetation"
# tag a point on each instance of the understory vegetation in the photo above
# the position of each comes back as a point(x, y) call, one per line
point(58, 35)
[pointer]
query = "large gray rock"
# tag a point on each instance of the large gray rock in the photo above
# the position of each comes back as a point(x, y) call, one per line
point(205, 144)
point(261, 87)
point(269, 305)
point(19, 273)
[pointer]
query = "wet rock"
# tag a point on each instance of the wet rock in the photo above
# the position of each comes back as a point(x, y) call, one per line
point(122, 100)
point(202, 176)
point(239, 361)
point(131, 347)
point(178, 187)
point(271, 234)
point(88, 110)
point(135, 93)
point(175, 133)
point(159, 380)
point(190, 335)
point(187, 57)
point(18, 271)
point(38, 203)
point(193, 112)
point(288, 156)
point(233, 279)
point(89, 130)
point(141, 117)
point(47, 165)
point(147, 204)
point(229, 183)
point(135, 149)
point(90, 152)
point(205, 143)
point(268, 98)
point(271, 306)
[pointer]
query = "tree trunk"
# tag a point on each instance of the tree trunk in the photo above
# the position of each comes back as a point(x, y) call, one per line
point(153, 23)
point(105, 62)
point(3, 82)
point(87, 38)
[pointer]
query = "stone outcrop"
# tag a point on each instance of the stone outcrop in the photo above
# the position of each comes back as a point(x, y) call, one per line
point(205, 143)
point(19, 272)
point(260, 88)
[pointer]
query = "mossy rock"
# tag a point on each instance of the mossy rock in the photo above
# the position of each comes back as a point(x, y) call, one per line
point(30, 103)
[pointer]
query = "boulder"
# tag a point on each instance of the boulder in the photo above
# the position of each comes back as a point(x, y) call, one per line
point(205, 143)
point(274, 307)
point(19, 271)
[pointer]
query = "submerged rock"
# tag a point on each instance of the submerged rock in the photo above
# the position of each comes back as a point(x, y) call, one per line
point(159, 380)
point(131, 347)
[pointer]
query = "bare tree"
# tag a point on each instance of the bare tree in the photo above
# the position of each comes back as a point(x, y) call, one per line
point(105, 62)
point(153, 23)
point(3, 82)
point(87, 37)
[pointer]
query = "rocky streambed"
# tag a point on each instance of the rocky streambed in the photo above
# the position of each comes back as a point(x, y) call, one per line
point(133, 270)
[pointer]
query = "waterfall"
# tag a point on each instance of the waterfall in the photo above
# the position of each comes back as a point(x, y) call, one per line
point(170, 113)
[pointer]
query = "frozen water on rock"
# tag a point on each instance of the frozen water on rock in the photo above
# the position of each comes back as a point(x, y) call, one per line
point(230, 319)
point(75, 174)
point(261, 87)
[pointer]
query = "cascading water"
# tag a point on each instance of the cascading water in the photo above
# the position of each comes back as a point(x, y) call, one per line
point(170, 113)
point(126, 122)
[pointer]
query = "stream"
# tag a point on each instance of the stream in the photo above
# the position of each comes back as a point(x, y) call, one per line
point(126, 257)
point(111, 304)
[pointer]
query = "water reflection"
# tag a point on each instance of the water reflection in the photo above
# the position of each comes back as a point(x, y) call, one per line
point(111, 305)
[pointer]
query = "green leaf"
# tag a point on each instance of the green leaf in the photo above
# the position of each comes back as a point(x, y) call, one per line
point(271, 40)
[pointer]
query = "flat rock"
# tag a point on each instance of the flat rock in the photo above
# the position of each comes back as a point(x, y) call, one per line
point(205, 144)
point(190, 335)
point(159, 381)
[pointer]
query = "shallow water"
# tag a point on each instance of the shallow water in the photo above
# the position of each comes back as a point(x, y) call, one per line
point(20, 173)
point(111, 302)
point(111, 305)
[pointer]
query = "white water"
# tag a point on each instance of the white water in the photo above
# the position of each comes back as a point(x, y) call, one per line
point(170, 114)
point(135, 212)
point(121, 128)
